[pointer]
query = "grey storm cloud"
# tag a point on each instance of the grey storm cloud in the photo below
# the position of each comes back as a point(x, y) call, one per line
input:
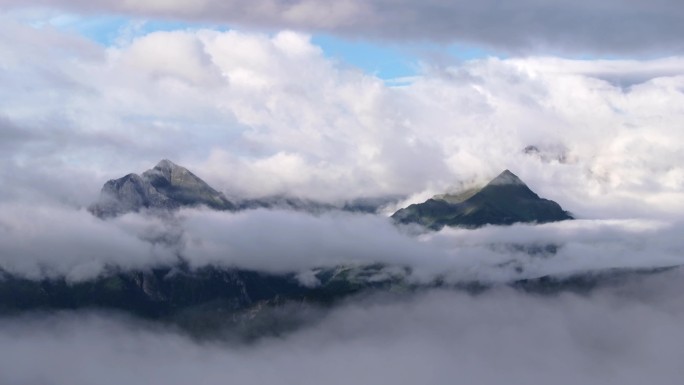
point(611, 26)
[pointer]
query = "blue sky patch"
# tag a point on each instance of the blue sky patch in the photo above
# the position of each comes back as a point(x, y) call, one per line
point(385, 60)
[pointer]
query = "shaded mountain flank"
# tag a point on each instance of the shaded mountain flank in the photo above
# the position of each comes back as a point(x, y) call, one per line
point(215, 302)
point(503, 201)
point(201, 301)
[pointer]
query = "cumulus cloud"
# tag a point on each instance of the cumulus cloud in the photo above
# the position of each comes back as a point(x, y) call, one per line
point(258, 114)
point(616, 26)
point(626, 335)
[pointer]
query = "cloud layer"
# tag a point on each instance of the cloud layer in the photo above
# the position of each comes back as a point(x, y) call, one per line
point(614, 26)
point(628, 335)
point(48, 241)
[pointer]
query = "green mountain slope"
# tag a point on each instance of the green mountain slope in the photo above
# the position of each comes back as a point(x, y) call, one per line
point(503, 201)
point(208, 301)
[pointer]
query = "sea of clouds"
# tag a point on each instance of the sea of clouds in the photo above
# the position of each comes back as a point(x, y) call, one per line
point(625, 335)
point(261, 113)
point(46, 241)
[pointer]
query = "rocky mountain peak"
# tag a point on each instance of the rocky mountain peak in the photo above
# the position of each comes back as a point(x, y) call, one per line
point(503, 201)
point(506, 178)
point(165, 186)
point(165, 168)
point(172, 173)
point(166, 164)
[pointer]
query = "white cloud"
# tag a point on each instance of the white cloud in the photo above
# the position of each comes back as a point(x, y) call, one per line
point(258, 114)
point(45, 241)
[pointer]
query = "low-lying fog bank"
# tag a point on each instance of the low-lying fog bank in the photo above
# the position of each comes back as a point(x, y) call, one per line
point(630, 334)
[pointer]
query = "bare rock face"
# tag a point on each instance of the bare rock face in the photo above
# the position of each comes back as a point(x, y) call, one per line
point(167, 186)
point(503, 201)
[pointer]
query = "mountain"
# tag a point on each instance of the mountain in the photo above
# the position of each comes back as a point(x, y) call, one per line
point(169, 186)
point(209, 301)
point(503, 201)
point(166, 186)
point(202, 301)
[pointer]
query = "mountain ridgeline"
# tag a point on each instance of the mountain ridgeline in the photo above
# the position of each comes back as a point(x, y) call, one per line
point(168, 186)
point(503, 201)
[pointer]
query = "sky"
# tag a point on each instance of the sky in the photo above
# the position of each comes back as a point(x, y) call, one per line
point(410, 99)
point(337, 100)
point(262, 100)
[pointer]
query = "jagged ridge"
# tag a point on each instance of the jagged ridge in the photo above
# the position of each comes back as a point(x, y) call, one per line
point(168, 186)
